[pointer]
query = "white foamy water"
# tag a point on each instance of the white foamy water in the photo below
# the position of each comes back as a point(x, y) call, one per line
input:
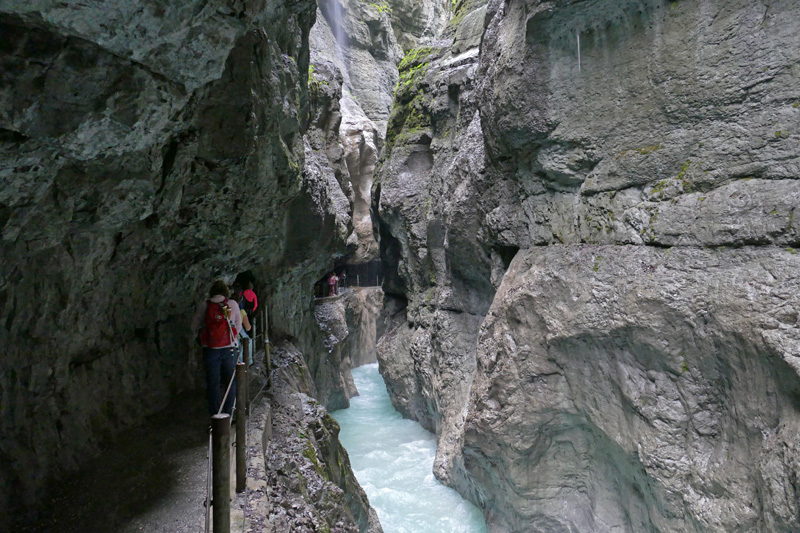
point(393, 460)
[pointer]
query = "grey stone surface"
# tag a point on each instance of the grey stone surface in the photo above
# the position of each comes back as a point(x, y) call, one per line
point(430, 198)
point(701, 102)
point(348, 329)
point(629, 388)
point(146, 149)
point(309, 482)
point(416, 22)
point(677, 130)
point(355, 38)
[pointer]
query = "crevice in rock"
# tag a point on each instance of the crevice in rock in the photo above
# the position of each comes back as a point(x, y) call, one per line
point(168, 162)
point(12, 136)
point(506, 253)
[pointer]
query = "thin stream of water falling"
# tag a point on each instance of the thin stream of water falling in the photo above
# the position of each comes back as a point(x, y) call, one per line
point(393, 461)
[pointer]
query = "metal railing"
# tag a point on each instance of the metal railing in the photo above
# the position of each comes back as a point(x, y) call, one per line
point(218, 476)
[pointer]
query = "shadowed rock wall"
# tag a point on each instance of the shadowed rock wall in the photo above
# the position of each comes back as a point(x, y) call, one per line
point(309, 485)
point(634, 368)
point(147, 147)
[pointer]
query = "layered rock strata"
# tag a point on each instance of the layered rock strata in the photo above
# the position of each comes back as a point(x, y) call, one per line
point(636, 368)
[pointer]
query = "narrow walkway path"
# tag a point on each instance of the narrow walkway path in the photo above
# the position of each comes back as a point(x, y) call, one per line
point(152, 480)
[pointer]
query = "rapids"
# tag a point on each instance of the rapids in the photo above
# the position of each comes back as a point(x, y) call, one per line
point(393, 460)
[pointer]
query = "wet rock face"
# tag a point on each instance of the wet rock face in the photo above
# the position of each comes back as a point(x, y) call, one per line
point(674, 129)
point(348, 330)
point(624, 388)
point(619, 384)
point(146, 150)
point(309, 483)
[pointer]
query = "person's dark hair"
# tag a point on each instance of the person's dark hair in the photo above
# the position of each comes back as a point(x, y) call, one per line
point(219, 287)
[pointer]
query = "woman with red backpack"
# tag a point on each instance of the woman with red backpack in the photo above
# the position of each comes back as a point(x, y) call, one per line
point(218, 319)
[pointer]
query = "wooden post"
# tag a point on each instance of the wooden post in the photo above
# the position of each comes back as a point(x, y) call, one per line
point(254, 331)
point(268, 361)
point(246, 387)
point(241, 425)
point(221, 472)
point(247, 347)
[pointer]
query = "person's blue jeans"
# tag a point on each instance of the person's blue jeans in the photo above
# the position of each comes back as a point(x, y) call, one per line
point(220, 368)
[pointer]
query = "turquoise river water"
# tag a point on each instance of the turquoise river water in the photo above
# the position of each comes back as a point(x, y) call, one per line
point(393, 460)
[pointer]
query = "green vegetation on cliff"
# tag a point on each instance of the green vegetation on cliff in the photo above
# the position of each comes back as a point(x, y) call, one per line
point(409, 115)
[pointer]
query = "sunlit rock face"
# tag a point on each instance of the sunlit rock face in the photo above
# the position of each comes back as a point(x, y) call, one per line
point(147, 148)
point(634, 368)
point(355, 38)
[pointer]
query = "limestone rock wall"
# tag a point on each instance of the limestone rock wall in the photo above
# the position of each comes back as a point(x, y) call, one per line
point(147, 148)
point(364, 306)
point(355, 38)
point(590, 248)
point(635, 388)
point(416, 22)
point(430, 199)
point(348, 326)
point(309, 484)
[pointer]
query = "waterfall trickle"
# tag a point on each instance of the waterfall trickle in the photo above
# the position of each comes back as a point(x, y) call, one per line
point(393, 461)
point(336, 20)
point(334, 13)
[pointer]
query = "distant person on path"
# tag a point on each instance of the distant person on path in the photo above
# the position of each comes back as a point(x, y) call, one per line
point(219, 320)
point(250, 303)
point(344, 279)
point(332, 284)
point(238, 295)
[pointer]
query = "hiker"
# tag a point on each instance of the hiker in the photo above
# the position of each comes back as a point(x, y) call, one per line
point(219, 321)
point(332, 282)
point(344, 279)
point(250, 301)
point(238, 295)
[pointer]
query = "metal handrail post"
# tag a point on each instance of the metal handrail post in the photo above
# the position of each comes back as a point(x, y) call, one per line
point(241, 425)
point(221, 480)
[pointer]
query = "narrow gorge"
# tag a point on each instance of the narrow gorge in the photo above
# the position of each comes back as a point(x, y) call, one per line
point(584, 212)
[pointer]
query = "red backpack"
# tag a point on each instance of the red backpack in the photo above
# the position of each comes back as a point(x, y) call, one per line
point(218, 331)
